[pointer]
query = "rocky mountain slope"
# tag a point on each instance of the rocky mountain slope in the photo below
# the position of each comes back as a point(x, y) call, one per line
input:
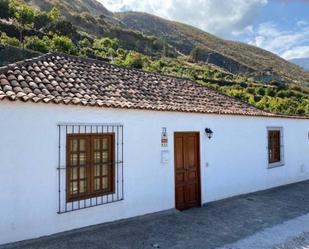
point(72, 6)
point(233, 56)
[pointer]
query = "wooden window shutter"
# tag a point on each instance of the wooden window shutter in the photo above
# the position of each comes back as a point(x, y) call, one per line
point(274, 146)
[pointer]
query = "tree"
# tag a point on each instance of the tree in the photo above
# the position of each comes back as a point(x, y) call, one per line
point(85, 43)
point(41, 20)
point(270, 92)
point(24, 16)
point(63, 28)
point(106, 43)
point(121, 53)
point(260, 91)
point(37, 44)
point(134, 59)
point(4, 9)
point(53, 14)
point(196, 54)
point(62, 44)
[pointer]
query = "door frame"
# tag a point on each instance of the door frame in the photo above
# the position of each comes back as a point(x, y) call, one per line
point(198, 162)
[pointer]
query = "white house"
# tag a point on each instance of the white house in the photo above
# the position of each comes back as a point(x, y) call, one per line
point(85, 142)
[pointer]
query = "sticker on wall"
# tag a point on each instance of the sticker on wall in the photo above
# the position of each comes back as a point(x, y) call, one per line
point(165, 156)
point(164, 139)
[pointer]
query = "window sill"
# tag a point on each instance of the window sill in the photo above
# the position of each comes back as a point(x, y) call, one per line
point(275, 165)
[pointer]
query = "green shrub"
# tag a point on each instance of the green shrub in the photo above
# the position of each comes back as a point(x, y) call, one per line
point(134, 59)
point(87, 17)
point(281, 94)
point(111, 53)
point(62, 44)
point(260, 91)
point(53, 14)
point(43, 19)
point(37, 44)
point(270, 92)
point(6, 40)
point(121, 53)
point(240, 94)
point(85, 43)
point(251, 90)
point(196, 54)
point(106, 43)
point(63, 28)
point(300, 111)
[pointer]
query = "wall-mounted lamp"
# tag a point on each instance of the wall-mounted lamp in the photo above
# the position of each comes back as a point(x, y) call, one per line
point(209, 133)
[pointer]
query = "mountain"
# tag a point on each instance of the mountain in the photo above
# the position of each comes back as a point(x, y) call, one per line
point(151, 35)
point(233, 56)
point(71, 7)
point(302, 62)
point(72, 10)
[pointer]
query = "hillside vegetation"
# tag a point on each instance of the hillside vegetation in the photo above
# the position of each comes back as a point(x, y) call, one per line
point(45, 28)
point(233, 56)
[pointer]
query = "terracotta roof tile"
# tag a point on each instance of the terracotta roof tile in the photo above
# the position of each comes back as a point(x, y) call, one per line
point(67, 79)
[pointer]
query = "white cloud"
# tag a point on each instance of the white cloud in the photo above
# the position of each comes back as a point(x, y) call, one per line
point(296, 52)
point(288, 44)
point(247, 30)
point(220, 17)
point(301, 23)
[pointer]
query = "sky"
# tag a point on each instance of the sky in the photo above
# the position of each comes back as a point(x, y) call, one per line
point(280, 26)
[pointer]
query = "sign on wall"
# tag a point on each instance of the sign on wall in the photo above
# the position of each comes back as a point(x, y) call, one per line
point(164, 139)
point(164, 145)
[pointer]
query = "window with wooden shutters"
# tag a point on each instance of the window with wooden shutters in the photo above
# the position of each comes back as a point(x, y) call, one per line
point(90, 165)
point(275, 152)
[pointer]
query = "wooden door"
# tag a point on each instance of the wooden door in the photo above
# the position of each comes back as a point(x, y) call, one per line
point(187, 170)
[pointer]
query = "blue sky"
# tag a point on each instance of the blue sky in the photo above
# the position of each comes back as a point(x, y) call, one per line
point(280, 26)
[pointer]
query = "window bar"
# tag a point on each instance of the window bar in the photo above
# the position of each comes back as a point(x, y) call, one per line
point(102, 195)
point(117, 163)
point(122, 193)
point(66, 189)
point(107, 131)
point(113, 166)
point(86, 184)
point(71, 176)
point(59, 172)
point(96, 198)
point(78, 168)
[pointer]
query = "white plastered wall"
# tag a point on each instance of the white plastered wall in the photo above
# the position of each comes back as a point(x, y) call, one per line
point(233, 162)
